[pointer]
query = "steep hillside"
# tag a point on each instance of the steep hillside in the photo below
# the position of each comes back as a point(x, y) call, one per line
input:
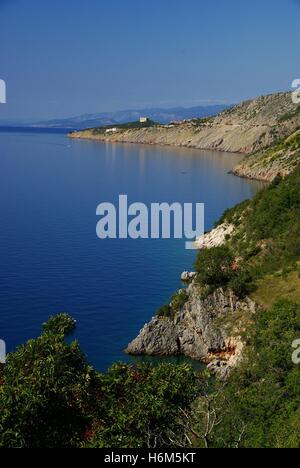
point(249, 127)
point(253, 265)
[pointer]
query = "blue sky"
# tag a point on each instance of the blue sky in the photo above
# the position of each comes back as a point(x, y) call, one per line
point(63, 58)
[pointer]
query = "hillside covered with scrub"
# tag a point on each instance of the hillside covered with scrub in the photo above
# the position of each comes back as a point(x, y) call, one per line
point(51, 397)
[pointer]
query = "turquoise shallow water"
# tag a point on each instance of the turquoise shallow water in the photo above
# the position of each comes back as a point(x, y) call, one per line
point(50, 257)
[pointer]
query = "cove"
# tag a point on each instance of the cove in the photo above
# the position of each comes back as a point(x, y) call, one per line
point(51, 258)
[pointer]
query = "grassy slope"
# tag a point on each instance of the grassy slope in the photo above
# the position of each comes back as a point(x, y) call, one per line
point(267, 238)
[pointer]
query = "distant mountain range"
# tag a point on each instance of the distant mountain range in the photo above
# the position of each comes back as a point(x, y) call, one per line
point(110, 118)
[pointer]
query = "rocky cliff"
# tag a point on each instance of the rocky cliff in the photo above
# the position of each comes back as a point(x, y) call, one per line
point(249, 127)
point(206, 329)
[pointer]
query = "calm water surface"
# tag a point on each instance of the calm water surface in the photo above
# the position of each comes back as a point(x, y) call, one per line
point(50, 257)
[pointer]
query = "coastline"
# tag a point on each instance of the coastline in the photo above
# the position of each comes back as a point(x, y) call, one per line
point(266, 132)
point(260, 129)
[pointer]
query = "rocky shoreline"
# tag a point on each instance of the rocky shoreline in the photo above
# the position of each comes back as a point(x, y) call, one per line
point(205, 329)
point(209, 328)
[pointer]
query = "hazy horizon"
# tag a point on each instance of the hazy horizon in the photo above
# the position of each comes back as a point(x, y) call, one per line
point(96, 57)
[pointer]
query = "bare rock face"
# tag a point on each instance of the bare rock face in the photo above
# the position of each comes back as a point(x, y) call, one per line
point(216, 237)
point(188, 277)
point(204, 329)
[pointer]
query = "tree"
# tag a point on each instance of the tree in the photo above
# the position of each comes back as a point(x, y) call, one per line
point(50, 397)
point(259, 405)
point(214, 266)
point(45, 391)
point(146, 406)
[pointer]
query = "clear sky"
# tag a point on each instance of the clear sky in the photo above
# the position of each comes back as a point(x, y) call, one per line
point(67, 57)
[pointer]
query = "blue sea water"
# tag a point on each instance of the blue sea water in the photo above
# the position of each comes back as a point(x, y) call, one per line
point(50, 258)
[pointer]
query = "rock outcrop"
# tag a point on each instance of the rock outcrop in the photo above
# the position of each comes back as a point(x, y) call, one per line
point(188, 277)
point(216, 237)
point(206, 329)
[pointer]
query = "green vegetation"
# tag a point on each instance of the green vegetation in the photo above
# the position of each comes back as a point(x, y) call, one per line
point(203, 121)
point(144, 406)
point(179, 299)
point(214, 267)
point(165, 311)
point(283, 156)
point(217, 268)
point(46, 391)
point(290, 115)
point(266, 240)
point(271, 224)
point(281, 285)
point(259, 406)
point(50, 397)
point(176, 304)
point(126, 126)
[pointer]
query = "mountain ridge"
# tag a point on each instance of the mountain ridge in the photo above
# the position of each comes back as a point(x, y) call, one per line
point(157, 114)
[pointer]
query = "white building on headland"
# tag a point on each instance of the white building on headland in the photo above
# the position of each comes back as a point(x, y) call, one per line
point(144, 119)
point(111, 130)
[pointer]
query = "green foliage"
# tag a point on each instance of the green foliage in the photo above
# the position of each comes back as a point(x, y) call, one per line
point(176, 304)
point(267, 235)
point(260, 403)
point(241, 284)
point(126, 126)
point(214, 266)
point(61, 324)
point(145, 406)
point(45, 391)
point(202, 121)
point(290, 115)
point(274, 210)
point(233, 215)
point(50, 397)
point(179, 299)
point(165, 311)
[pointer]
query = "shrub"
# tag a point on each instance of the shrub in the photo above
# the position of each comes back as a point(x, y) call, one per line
point(51, 398)
point(214, 266)
point(164, 311)
point(177, 302)
point(242, 284)
point(179, 299)
point(146, 406)
point(62, 324)
point(45, 393)
point(259, 407)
